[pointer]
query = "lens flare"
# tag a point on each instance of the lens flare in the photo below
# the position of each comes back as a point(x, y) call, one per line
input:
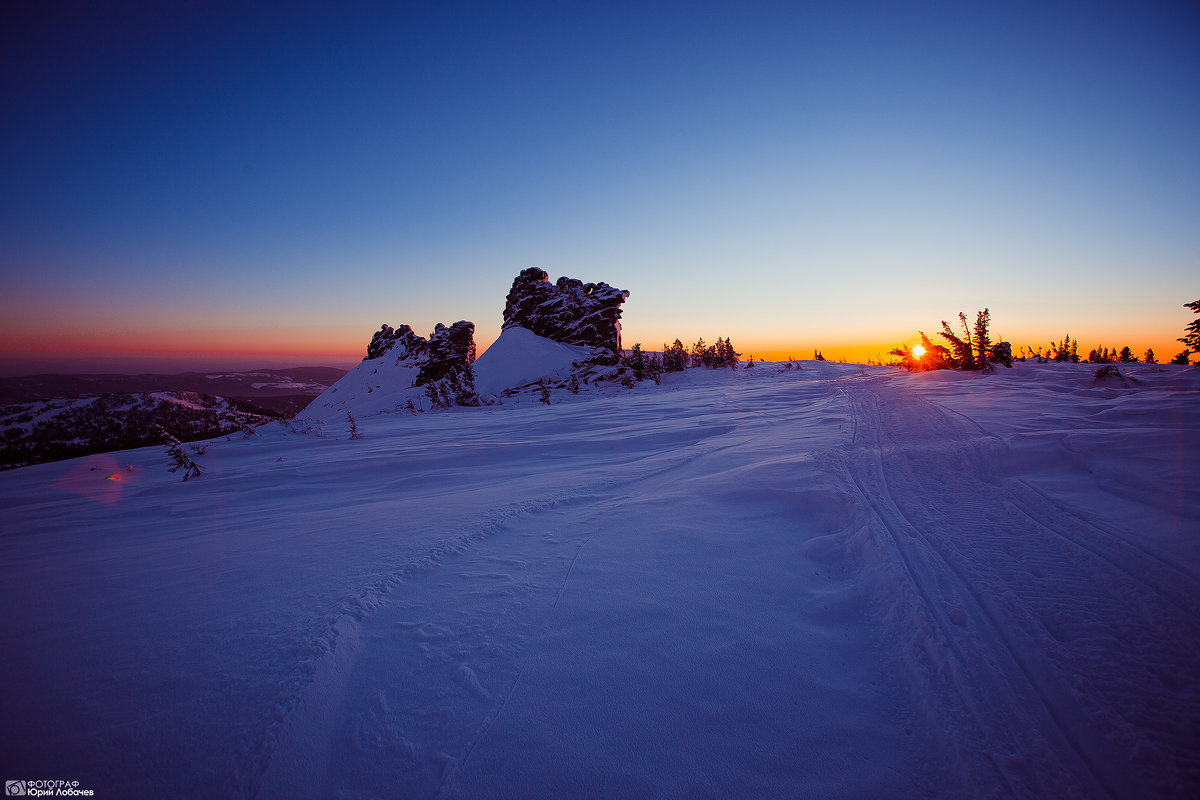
point(918, 351)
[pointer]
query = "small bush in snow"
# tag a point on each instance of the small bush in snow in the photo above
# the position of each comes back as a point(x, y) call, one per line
point(180, 460)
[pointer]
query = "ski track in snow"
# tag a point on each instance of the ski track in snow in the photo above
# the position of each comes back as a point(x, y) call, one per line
point(1026, 605)
point(832, 582)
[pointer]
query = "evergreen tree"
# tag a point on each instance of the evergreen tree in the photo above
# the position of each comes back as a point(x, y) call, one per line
point(636, 362)
point(354, 434)
point(679, 357)
point(715, 354)
point(573, 384)
point(936, 356)
point(670, 361)
point(436, 395)
point(1192, 336)
point(961, 353)
point(730, 355)
point(983, 342)
point(544, 391)
point(1074, 351)
point(1127, 356)
point(1149, 357)
point(1182, 358)
point(907, 359)
point(654, 367)
point(699, 352)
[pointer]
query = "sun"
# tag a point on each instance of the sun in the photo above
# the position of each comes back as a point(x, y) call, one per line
point(918, 351)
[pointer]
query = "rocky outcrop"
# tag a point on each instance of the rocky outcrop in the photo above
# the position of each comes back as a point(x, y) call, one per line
point(446, 355)
point(402, 340)
point(567, 311)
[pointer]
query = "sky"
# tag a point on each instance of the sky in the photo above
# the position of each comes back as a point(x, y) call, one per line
point(204, 184)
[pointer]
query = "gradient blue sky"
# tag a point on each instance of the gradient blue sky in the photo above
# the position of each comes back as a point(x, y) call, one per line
point(207, 182)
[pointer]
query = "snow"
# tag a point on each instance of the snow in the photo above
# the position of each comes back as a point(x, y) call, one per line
point(828, 582)
point(378, 386)
point(386, 385)
point(185, 399)
point(287, 385)
point(520, 357)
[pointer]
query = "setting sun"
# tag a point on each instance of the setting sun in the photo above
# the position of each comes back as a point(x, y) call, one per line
point(918, 351)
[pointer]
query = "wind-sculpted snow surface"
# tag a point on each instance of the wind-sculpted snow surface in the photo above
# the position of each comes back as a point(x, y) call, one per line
point(828, 582)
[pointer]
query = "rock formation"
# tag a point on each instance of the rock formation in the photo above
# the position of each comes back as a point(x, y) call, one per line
point(448, 350)
point(567, 311)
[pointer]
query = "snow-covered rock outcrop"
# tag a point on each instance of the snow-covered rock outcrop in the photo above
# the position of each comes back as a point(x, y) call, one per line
point(405, 371)
point(448, 350)
point(567, 330)
point(567, 311)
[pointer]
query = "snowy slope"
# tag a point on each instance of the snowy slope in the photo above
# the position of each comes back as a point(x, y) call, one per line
point(828, 582)
point(378, 386)
point(520, 357)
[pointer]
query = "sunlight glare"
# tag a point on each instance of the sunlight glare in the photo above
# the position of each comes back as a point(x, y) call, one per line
point(918, 351)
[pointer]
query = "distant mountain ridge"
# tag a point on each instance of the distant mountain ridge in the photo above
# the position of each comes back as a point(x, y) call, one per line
point(52, 417)
point(282, 390)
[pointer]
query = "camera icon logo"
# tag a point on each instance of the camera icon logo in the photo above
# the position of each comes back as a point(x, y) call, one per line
point(14, 788)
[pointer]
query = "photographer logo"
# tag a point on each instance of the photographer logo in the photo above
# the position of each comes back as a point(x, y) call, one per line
point(45, 789)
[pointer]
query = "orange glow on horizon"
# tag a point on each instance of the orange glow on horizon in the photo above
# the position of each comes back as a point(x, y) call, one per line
point(344, 345)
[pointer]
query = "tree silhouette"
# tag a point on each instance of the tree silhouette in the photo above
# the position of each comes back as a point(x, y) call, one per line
point(983, 342)
point(1192, 337)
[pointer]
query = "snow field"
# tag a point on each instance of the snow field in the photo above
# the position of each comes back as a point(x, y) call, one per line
point(833, 581)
